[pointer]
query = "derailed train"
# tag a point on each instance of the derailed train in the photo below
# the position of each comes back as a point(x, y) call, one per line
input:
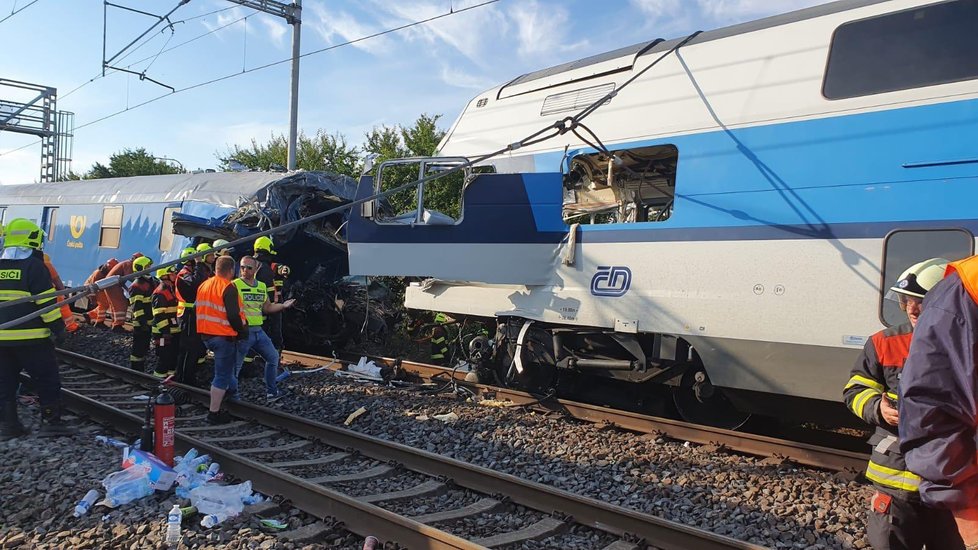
point(731, 224)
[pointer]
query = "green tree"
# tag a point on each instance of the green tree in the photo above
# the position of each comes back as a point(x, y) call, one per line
point(131, 162)
point(325, 152)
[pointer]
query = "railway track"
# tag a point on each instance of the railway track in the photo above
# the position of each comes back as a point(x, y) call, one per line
point(374, 487)
point(775, 449)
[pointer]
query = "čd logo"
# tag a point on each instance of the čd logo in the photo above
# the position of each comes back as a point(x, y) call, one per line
point(77, 226)
point(612, 281)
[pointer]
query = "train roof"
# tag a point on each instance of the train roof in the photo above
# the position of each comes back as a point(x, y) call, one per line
point(637, 50)
point(222, 188)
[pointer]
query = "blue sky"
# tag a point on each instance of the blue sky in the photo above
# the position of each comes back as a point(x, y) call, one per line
point(433, 68)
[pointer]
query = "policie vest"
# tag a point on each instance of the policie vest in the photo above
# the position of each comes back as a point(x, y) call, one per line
point(253, 297)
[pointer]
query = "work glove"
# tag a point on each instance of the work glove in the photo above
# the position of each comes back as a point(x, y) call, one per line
point(283, 270)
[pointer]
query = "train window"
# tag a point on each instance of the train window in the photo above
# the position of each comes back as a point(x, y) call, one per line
point(3, 212)
point(436, 202)
point(924, 46)
point(634, 185)
point(166, 228)
point(111, 227)
point(50, 221)
point(903, 248)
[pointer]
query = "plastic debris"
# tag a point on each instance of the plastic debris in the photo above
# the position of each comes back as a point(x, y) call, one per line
point(161, 476)
point(226, 500)
point(126, 486)
point(85, 504)
point(448, 418)
point(140, 398)
point(111, 442)
point(422, 417)
point(366, 368)
point(274, 524)
point(354, 415)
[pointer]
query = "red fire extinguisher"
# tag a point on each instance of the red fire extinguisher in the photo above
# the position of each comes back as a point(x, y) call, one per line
point(164, 423)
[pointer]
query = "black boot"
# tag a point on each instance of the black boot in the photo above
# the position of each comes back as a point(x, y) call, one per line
point(10, 426)
point(52, 425)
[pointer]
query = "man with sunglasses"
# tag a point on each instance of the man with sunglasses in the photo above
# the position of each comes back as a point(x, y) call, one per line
point(897, 519)
point(254, 296)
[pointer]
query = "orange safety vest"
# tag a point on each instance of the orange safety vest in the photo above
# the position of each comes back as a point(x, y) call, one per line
point(212, 318)
point(967, 269)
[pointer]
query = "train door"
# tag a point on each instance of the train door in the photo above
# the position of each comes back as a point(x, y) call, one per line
point(49, 221)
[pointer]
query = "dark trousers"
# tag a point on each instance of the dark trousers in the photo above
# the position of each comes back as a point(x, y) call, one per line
point(192, 350)
point(39, 361)
point(140, 348)
point(167, 351)
point(911, 525)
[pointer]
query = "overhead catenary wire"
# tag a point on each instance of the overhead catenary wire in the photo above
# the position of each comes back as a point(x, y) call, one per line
point(547, 132)
point(248, 71)
point(14, 11)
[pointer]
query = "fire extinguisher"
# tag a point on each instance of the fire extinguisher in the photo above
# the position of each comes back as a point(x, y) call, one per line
point(164, 423)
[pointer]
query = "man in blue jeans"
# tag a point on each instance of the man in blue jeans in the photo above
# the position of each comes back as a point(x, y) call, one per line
point(254, 296)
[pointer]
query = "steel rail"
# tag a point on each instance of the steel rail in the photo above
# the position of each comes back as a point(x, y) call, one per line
point(748, 443)
point(619, 521)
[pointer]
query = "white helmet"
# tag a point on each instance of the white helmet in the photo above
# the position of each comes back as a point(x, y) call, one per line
point(918, 279)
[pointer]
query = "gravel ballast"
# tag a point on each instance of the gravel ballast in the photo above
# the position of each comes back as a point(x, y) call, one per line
point(780, 506)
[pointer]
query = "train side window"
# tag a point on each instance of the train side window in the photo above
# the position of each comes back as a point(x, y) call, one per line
point(923, 46)
point(50, 221)
point(166, 228)
point(111, 232)
point(3, 212)
point(634, 185)
point(903, 248)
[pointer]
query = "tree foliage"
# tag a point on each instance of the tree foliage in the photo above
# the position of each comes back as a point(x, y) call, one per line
point(328, 152)
point(130, 162)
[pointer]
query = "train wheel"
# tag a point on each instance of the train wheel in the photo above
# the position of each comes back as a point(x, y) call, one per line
point(699, 402)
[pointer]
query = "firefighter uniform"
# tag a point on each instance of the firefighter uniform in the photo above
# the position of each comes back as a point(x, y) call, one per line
point(440, 337)
point(939, 400)
point(140, 302)
point(192, 351)
point(273, 274)
point(897, 519)
point(118, 305)
point(166, 326)
point(66, 316)
point(28, 346)
point(97, 314)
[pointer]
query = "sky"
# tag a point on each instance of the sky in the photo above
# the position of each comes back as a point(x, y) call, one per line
point(433, 68)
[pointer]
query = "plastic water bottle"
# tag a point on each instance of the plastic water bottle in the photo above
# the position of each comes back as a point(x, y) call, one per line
point(212, 470)
point(191, 454)
point(211, 520)
point(285, 374)
point(106, 440)
point(85, 504)
point(173, 517)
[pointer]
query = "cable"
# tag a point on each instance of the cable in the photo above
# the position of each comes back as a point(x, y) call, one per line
point(554, 129)
point(14, 12)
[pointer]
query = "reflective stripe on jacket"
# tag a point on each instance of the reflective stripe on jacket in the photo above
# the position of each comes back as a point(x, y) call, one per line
point(877, 372)
point(253, 298)
point(140, 301)
point(212, 317)
point(164, 303)
point(18, 279)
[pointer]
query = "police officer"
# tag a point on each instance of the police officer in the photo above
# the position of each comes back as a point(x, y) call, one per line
point(140, 302)
point(28, 346)
point(897, 519)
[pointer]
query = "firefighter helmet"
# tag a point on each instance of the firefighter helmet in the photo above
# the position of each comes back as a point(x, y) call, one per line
point(21, 232)
point(919, 278)
point(264, 244)
point(203, 247)
point(164, 271)
point(141, 263)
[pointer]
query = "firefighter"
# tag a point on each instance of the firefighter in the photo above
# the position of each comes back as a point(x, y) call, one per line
point(440, 339)
point(28, 346)
point(273, 274)
point(118, 305)
point(166, 326)
point(59, 285)
point(223, 251)
point(140, 301)
point(96, 315)
point(938, 403)
point(192, 351)
point(897, 519)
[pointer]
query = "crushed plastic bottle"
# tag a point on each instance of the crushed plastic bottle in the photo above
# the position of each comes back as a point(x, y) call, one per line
point(85, 504)
point(112, 442)
point(212, 520)
point(173, 518)
point(126, 486)
point(221, 499)
point(191, 454)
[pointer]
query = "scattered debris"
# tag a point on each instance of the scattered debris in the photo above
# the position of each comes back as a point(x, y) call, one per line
point(354, 415)
point(447, 418)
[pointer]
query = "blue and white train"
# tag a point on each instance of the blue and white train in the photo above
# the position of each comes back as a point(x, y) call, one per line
point(760, 190)
point(87, 222)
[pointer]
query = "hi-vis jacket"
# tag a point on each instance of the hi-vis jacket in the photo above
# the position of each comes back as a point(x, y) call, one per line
point(252, 298)
point(140, 300)
point(20, 278)
point(939, 388)
point(164, 300)
point(877, 373)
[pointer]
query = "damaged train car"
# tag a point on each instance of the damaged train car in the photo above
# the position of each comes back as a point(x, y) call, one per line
point(729, 230)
